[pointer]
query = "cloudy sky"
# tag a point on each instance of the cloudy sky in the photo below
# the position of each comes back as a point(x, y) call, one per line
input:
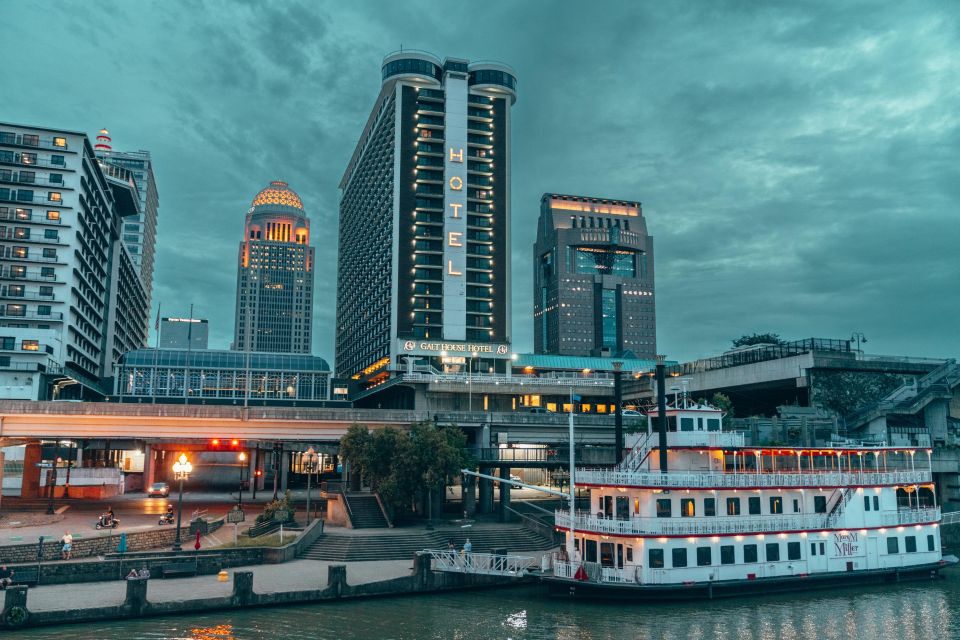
point(798, 162)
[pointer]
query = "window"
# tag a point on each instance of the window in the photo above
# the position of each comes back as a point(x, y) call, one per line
point(7, 343)
point(21, 233)
point(591, 551)
point(893, 545)
point(664, 509)
point(753, 504)
point(686, 424)
point(709, 506)
point(733, 506)
point(629, 554)
point(793, 551)
point(655, 558)
point(688, 507)
point(55, 196)
point(749, 553)
point(876, 503)
point(59, 142)
point(680, 557)
point(704, 557)
point(49, 253)
point(31, 140)
point(46, 290)
point(50, 234)
point(25, 195)
point(15, 290)
point(43, 309)
point(28, 176)
point(796, 505)
point(57, 160)
point(713, 424)
point(819, 504)
point(728, 554)
point(931, 543)
point(53, 215)
point(47, 272)
point(910, 544)
point(776, 505)
point(30, 345)
point(623, 508)
point(606, 554)
point(26, 158)
point(773, 552)
point(16, 310)
point(56, 178)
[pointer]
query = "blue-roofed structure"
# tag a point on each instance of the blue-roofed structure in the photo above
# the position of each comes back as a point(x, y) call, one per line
point(552, 362)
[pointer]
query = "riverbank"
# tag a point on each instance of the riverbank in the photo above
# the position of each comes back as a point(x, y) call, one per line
point(296, 582)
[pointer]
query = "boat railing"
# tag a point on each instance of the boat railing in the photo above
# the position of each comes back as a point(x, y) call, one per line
point(912, 516)
point(734, 480)
point(480, 563)
point(596, 572)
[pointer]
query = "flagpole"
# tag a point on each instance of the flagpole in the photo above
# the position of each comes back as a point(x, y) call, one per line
point(156, 352)
point(186, 378)
point(573, 495)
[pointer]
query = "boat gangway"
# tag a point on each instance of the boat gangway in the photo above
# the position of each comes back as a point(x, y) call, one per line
point(489, 564)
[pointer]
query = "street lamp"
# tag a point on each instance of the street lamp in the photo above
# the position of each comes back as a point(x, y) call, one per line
point(181, 471)
point(242, 458)
point(309, 461)
point(473, 354)
point(859, 337)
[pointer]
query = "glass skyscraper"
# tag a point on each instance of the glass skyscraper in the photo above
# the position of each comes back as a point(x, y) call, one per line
point(593, 281)
point(424, 262)
point(275, 275)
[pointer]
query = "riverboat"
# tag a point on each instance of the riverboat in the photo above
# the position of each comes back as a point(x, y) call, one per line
point(699, 514)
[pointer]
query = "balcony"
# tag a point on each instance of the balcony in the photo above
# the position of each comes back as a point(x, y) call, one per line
point(730, 525)
point(750, 480)
point(56, 143)
point(54, 316)
point(13, 216)
point(7, 273)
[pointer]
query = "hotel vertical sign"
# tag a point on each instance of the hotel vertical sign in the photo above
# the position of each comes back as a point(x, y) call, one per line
point(455, 209)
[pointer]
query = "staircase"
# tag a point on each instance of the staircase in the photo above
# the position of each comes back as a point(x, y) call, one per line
point(638, 454)
point(365, 511)
point(402, 546)
point(837, 510)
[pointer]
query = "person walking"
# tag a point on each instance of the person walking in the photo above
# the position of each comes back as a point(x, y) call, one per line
point(67, 550)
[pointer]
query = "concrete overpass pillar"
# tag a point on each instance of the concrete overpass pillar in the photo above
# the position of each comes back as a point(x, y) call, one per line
point(284, 470)
point(31, 472)
point(486, 492)
point(149, 466)
point(504, 495)
point(468, 496)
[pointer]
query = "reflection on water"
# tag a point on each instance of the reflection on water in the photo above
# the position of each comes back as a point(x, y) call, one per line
point(899, 612)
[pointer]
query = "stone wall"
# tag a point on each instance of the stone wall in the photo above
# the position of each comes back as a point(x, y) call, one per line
point(102, 545)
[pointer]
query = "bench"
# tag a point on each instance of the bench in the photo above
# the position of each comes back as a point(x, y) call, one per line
point(176, 569)
point(25, 575)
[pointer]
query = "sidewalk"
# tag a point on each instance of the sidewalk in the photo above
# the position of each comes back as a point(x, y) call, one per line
point(296, 575)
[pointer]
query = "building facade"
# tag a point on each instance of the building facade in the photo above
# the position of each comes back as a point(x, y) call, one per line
point(220, 376)
point(139, 230)
point(274, 310)
point(181, 333)
point(70, 302)
point(424, 246)
point(593, 279)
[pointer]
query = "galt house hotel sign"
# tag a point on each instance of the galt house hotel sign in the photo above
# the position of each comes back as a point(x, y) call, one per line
point(438, 347)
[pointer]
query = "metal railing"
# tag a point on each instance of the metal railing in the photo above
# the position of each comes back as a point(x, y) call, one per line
point(733, 480)
point(490, 564)
point(551, 455)
point(523, 380)
point(951, 517)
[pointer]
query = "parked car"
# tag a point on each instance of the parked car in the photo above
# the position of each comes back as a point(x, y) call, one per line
point(540, 410)
point(158, 490)
point(631, 412)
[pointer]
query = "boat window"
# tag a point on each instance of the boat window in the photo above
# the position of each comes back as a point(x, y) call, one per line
point(876, 503)
point(623, 508)
point(866, 503)
point(813, 548)
point(733, 506)
point(796, 505)
point(749, 553)
point(728, 554)
point(636, 506)
point(688, 507)
point(699, 424)
point(819, 504)
point(893, 545)
point(776, 505)
point(713, 424)
point(608, 506)
point(686, 424)
point(591, 551)
point(709, 506)
point(704, 557)
point(822, 551)
point(663, 508)
point(606, 554)
point(680, 557)
point(620, 556)
point(655, 558)
point(910, 544)
point(793, 551)
point(753, 504)
point(773, 552)
point(629, 554)
point(931, 543)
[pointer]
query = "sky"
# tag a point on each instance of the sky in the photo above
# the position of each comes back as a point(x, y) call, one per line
point(797, 161)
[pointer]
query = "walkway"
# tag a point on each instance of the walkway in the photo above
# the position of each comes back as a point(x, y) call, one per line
point(297, 575)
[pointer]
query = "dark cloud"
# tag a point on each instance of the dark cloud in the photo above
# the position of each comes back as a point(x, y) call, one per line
point(796, 161)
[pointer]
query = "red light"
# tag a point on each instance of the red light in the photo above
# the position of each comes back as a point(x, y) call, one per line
point(234, 443)
point(258, 473)
point(215, 442)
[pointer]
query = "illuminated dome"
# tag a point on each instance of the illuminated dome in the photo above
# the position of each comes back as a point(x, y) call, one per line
point(278, 193)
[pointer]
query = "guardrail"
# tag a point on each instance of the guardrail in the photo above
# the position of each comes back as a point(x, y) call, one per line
point(490, 564)
point(722, 480)
point(503, 380)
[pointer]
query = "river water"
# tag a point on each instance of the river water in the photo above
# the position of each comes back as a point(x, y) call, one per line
point(896, 612)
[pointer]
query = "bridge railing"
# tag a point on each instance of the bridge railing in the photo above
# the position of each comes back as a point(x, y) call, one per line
point(551, 455)
point(480, 563)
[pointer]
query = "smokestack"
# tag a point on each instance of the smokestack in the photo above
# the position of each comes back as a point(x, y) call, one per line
point(618, 409)
point(662, 411)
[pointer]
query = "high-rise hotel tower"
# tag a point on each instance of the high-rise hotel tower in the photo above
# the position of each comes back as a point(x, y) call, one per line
point(275, 275)
point(425, 222)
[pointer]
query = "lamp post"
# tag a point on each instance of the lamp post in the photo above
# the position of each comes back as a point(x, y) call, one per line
point(473, 354)
point(181, 471)
point(859, 337)
point(309, 463)
point(242, 458)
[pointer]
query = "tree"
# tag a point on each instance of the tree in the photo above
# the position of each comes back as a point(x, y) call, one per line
point(846, 392)
point(758, 338)
point(722, 401)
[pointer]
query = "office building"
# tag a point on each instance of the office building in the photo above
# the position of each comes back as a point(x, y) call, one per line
point(593, 279)
point(70, 301)
point(275, 275)
point(181, 333)
point(221, 377)
point(424, 247)
point(139, 230)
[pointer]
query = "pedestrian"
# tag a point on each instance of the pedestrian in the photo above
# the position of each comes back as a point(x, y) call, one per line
point(450, 546)
point(6, 577)
point(143, 573)
point(67, 549)
point(467, 547)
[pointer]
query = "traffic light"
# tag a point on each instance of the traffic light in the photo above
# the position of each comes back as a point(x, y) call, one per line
point(219, 444)
point(258, 472)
